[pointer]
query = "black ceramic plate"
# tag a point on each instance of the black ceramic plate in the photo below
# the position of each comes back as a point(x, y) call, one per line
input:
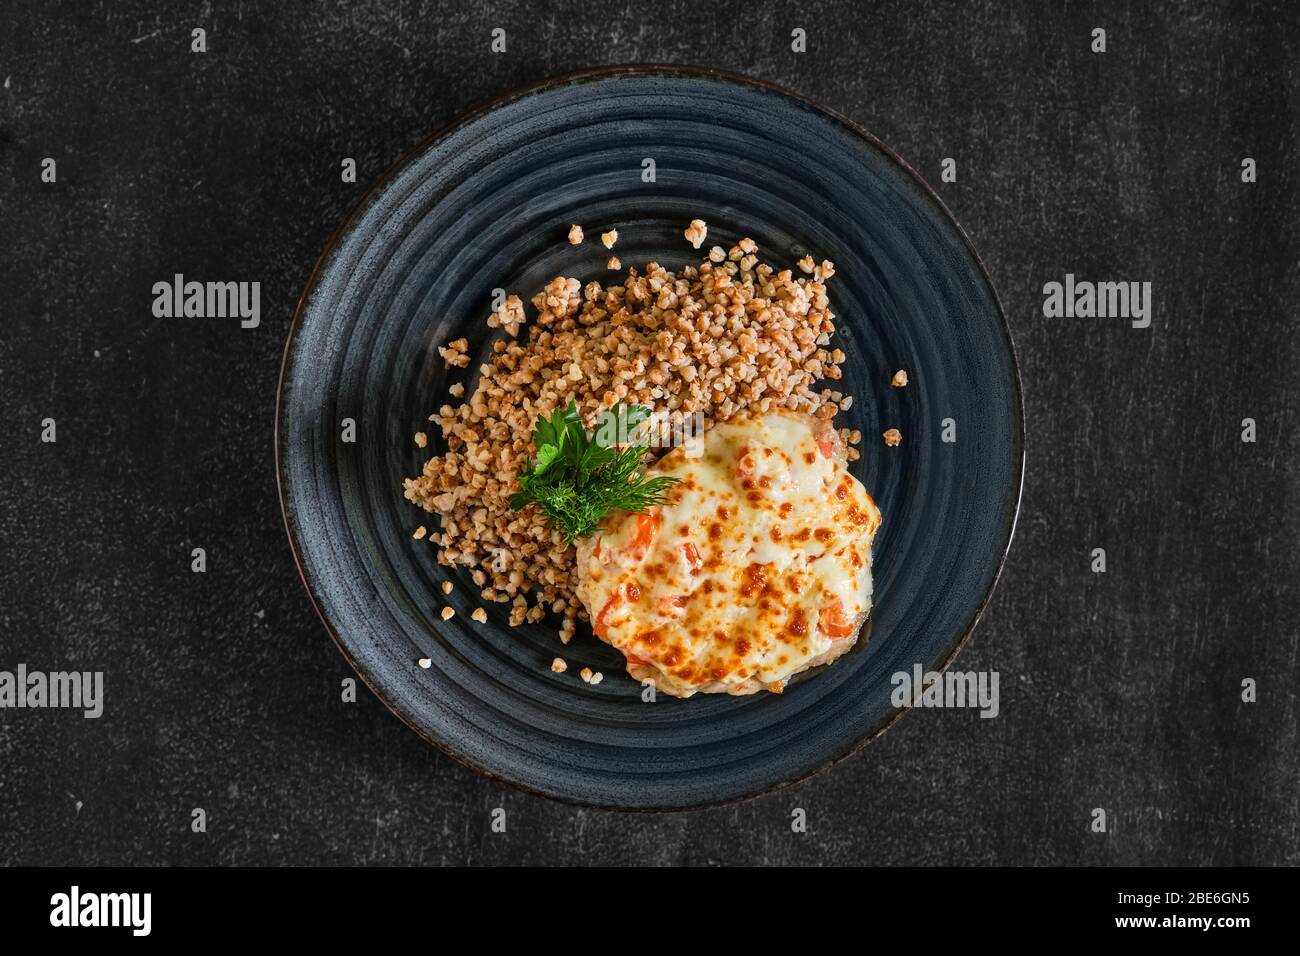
point(487, 204)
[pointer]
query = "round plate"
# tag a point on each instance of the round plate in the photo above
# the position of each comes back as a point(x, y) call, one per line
point(487, 204)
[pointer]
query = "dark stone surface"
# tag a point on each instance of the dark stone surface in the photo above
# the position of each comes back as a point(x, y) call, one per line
point(1119, 690)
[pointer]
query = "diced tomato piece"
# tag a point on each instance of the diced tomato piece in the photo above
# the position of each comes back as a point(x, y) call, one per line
point(672, 603)
point(600, 626)
point(691, 554)
point(833, 621)
point(825, 446)
point(648, 524)
point(627, 593)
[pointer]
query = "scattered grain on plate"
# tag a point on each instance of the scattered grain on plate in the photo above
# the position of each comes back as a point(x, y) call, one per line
point(447, 587)
point(420, 532)
point(558, 665)
point(899, 379)
point(457, 390)
point(479, 615)
point(893, 437)
point(596, 678)
point(510, 316)
point(575, 234)
point(846, 403)
point(448, 613)
point(455, 353)
point(696, 232)
point(425, 663)
point(806, 264)
point(608, 239)
point(729, 336)
point(614, 263)
point(421, 439)
point(585, 674)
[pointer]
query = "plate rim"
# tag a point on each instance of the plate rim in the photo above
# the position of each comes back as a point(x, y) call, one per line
point(572, 78)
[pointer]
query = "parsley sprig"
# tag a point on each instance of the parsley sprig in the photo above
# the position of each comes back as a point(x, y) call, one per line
point(577, 480)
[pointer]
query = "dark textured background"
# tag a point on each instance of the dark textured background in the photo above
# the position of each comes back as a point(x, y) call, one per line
point(1118, 690)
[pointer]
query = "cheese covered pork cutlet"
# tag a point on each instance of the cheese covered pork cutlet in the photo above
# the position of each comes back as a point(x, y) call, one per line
point(756, 567)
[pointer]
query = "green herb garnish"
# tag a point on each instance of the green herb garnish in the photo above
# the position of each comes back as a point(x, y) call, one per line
point(577, 480)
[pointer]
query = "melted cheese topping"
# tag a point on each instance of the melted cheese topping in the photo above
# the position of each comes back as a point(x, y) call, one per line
point(757, 567)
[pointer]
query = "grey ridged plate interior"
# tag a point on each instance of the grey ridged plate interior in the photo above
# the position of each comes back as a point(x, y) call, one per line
point(487, 204)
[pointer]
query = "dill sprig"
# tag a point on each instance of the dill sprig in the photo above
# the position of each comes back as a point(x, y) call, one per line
point(577, 480)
